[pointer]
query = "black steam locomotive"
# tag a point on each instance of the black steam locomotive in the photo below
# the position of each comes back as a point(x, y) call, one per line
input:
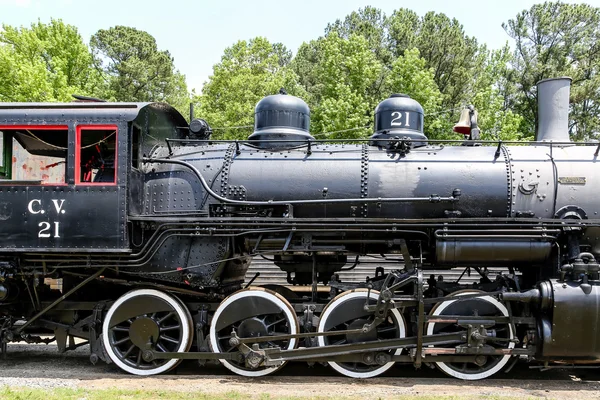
point(126, 228)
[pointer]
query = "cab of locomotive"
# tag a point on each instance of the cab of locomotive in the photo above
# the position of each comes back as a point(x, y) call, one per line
point(68, 172)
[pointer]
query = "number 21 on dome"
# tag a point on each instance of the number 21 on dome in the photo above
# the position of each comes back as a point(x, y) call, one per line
point(397, 119)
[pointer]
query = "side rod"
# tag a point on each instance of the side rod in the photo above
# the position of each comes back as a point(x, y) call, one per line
point(276, 355)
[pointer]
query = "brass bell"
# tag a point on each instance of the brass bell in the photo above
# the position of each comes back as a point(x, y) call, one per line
point(467, 124)
point(464, 123)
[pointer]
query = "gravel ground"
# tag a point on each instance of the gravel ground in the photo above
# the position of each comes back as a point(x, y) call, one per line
point(39, 366)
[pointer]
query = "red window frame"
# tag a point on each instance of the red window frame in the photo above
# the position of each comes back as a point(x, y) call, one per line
point(41, 128)
point(78, 153)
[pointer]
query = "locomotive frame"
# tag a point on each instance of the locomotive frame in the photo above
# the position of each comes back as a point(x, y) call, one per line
point(152, 227)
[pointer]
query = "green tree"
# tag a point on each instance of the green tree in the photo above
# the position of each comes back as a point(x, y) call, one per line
point(556, 39)
point(446, 49)
point(403, 28)
point(458, 65)
point(248, 71)
point(411, 76)
point(370, 23)
point(46, 62)
point(495, 120)
point(342, 73)
point(464, 72)
point(135, 69)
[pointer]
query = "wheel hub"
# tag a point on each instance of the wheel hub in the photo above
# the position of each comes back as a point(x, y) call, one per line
point(253, 327)
point(252, 313)
point(484, 365)
point(360, 337)
point(346, 312)
point(144, 332)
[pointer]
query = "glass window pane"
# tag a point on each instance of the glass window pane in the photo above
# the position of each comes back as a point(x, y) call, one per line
point(2, 150)
point(97, 155)
point(40, 155)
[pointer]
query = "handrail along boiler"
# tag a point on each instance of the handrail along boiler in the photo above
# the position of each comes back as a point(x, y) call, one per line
point(150, 227)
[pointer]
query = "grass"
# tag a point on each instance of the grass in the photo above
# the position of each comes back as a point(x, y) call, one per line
point(86, 394)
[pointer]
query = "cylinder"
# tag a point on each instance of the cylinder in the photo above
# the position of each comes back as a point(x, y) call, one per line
point(491, 252)
point(553, 110)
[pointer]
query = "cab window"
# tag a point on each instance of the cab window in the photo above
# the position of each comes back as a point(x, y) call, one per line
point(96, 155)
point(36, 155)
point(5, 158)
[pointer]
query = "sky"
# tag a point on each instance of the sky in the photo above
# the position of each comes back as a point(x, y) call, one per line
point(197, 32)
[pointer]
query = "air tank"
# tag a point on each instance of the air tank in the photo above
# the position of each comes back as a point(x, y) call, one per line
point(281, 117)
point(399, 116)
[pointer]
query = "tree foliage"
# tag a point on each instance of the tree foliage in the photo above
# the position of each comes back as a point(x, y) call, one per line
point(430, 58)
point(442, 43)
point(555, 39)
point(360, 60)
point(46, 62)
point(370, 23)
point(135, 69)
point(248, 71)
point(495, 120)
point(410, 76)
point(345, 72)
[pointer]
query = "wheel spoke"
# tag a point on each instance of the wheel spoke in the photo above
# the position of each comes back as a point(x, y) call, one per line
point(166, 317)
point(128, 352)
point(161, 347)
point(170, 328)
point(118, 342)
point(276, 322)
point(169, 339)
point(119, 329)
point(139, 358)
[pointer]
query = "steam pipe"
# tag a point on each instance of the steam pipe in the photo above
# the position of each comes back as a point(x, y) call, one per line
point(431, 199)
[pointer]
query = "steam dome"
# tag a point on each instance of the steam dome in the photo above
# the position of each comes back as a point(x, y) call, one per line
point(282, 117)
point(398, 116)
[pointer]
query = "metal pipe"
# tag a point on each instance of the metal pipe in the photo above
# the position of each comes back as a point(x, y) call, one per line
point(530, 296)
point(430, 199)
point(365, 140)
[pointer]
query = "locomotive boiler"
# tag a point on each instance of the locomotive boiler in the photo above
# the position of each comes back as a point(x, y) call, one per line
point(150, 226)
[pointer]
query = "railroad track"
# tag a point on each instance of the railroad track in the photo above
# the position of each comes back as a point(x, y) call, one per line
point(43, 361)
point(39, 366)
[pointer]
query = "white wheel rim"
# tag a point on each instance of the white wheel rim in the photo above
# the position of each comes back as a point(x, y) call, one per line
point(265, 294)
point(182, 313)
point(328, 311)
point(472, 377)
